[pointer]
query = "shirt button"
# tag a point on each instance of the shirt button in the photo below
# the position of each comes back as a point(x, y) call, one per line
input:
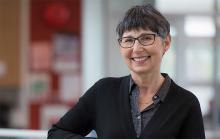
point(155, 97)
point(139, 117)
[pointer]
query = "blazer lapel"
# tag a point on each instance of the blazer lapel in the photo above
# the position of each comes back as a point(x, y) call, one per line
point(158, 118)
point(125, 109)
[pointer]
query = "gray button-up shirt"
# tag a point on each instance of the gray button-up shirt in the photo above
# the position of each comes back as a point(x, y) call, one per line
point(141, 119)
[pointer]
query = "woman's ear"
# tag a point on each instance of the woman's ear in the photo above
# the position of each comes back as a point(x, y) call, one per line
point(166, 43)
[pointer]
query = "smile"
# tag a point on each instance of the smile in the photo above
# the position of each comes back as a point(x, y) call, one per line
point(140, 59)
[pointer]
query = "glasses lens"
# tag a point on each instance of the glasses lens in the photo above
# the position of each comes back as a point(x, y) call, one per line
point(147, 39)
point(127, 42)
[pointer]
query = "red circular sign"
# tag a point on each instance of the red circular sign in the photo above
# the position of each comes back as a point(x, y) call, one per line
point(56, 15)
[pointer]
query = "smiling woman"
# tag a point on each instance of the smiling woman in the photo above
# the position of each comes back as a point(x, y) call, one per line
point(146, 104)
point(146, 53)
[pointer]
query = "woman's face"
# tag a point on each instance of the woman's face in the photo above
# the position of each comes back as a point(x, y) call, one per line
point(144, 59)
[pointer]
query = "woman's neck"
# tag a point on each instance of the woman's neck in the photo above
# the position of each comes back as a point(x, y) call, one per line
point(148, 83)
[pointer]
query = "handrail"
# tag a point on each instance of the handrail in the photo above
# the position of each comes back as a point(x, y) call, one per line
point(27, 133)
point(23, 133)
point(212, 134)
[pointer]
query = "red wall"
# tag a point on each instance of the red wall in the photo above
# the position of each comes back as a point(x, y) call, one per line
point(40, 30)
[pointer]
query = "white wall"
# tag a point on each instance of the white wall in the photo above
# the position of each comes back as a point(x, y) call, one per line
point(101, 56)
point(93, 37)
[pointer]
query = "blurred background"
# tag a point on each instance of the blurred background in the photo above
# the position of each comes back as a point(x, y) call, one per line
point(52, 51)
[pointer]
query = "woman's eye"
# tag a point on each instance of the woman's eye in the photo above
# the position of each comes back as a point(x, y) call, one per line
point(129, 40)
point(145, 38)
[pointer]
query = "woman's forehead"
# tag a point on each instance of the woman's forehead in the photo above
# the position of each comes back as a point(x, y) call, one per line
point(136, 32)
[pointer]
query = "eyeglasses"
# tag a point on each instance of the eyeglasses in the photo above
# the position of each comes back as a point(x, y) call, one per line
point(145, 40)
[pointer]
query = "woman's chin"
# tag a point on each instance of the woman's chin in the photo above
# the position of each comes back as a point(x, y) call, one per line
point(140, 70)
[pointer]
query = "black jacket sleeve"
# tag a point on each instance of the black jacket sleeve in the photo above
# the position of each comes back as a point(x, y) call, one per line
point(78, 121)
point(193, 127)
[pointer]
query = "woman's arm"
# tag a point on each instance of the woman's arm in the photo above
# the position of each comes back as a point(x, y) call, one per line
point(78, 121)
point(193, 127)
point(57, 133)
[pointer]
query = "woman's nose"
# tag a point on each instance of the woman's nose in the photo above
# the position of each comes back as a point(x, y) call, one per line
point(137, 46)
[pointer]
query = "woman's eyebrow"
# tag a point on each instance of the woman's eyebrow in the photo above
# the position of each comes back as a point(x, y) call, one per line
point(145, 33)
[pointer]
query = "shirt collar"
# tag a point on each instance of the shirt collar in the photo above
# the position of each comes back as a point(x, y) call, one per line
point(162, 92)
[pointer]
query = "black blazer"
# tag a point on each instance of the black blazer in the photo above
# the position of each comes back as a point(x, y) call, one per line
point(105, 108)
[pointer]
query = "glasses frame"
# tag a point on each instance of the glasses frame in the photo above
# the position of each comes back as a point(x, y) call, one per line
point(153, 34)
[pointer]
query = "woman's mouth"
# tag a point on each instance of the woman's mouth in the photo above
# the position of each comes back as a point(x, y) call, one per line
point(141, 59)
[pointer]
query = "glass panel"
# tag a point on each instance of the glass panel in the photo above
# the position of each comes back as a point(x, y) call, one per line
point(199, 26)
point(185, 6)
point(218, 6)
point(169, 61)
point(173, 31)
point(199, 60)
point(218, 68)
point(218, 49)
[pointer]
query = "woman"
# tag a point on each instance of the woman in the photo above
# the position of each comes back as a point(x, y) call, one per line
point(146, 104)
